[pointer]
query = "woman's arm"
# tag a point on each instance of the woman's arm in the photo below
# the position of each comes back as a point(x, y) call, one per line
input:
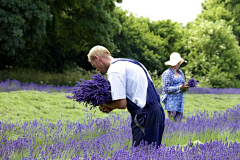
point(167, 81)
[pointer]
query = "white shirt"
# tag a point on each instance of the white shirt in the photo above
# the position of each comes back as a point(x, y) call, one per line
point(128, 80)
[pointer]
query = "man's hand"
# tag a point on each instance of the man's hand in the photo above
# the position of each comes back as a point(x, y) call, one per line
point(105, 109)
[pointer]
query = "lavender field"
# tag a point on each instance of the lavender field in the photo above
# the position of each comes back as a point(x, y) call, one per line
point(202, 135)
point(15, 85)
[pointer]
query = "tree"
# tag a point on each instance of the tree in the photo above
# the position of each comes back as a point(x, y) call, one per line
point(228, 10)
point(54, 34)
point(77, 26)
point(136, 41)
point(23, 26)
point(171, 33)
point(214, 54)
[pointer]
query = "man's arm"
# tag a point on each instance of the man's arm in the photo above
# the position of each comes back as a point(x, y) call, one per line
point(119, 104)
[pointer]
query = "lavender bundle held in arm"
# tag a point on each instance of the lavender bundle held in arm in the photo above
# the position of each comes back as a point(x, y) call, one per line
point(92, 92)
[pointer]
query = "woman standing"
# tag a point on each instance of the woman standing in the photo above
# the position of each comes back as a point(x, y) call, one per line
point(173, 81)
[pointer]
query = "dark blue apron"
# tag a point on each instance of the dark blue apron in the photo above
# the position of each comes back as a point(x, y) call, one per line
point(148, 122)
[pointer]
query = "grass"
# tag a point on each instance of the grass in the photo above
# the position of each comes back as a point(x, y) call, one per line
point(30, 105)
point(210, 102)
point(184, 138)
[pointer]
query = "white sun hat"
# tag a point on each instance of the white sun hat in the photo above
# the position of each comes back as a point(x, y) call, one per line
point(175, 58)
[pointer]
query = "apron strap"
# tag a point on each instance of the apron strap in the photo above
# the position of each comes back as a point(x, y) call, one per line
point(133, 61)
point(152, 95)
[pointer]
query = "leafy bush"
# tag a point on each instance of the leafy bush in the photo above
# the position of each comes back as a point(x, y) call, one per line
point(214, 54)
point(67, 78)
point(156, 79)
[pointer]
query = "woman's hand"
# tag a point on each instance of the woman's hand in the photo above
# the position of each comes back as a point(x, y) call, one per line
point(184, 88)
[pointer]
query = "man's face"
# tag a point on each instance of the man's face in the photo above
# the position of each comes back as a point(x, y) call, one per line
point(98, 64)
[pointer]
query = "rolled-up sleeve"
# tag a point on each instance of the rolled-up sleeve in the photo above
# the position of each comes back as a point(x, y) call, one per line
point(167, 83)
point(118, 85)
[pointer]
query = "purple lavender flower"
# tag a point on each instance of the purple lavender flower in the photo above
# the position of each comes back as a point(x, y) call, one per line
point(92, 92)
point(15, 85)
point(109, 138)
point(192, 83)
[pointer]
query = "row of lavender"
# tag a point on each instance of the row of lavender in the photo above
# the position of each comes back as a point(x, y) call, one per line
point(203, 90)
point(110, 138)
point(14, 85)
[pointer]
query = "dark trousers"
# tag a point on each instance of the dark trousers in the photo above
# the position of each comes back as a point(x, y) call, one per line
point(147, 123)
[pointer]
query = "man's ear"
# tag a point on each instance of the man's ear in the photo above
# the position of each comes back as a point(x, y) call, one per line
point(96, 58)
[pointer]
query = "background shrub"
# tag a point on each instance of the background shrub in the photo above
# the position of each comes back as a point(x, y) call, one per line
point(67, 78)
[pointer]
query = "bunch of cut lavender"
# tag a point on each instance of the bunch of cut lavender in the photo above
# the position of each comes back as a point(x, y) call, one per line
point(191, 83)
point(92, 92)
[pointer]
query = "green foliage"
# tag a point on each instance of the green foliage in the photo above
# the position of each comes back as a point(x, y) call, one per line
point(56, 35)
point(156, 79)
point(171, 33)
point(228, 10)
point(214, 54)
point(138, 42)
point(151, 43)
point(49, 36)
point(23, 23)
point(219, 79)
point(76, 27)
point(67, 78)
point(23, 26)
